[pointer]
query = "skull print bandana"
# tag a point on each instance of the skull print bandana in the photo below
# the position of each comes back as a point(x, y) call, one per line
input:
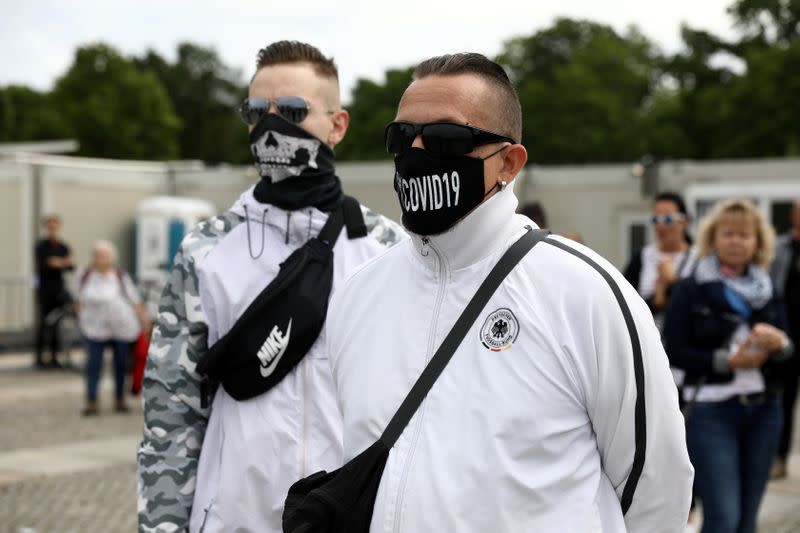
point(296, 168)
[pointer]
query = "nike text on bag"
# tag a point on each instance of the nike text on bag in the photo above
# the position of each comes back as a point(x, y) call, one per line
point(342, 501)
point(276, 331)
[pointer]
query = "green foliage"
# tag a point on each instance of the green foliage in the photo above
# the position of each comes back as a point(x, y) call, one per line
point(204, 93)
point(582, 88)
point(114, 110)
point(773, 21)
point(374, 106)
point(28, 115)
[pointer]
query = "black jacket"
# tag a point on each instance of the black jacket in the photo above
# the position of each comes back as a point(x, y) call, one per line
point(699, 321)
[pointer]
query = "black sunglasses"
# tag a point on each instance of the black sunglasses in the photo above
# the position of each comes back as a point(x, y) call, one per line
point(667, 219)
point(292, 108)
point(439, 138)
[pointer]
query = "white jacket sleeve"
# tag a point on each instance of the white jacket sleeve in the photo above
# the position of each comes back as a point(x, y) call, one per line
point(633, 405)
point(630, 397)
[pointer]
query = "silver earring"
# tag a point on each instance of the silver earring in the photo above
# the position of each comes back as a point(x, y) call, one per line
point(503, 185)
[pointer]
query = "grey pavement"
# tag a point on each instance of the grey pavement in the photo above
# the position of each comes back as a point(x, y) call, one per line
point(60, 472)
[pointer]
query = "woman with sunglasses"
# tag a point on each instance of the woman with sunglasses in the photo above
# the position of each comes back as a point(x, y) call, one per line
point(654, 269)
point(724, 327)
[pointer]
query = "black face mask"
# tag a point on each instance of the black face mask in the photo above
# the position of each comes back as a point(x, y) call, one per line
point(436, 192)
point(296, 168)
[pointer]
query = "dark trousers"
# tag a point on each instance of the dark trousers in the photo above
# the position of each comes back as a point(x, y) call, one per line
point(46, 304)
point(731, 446)
point(94, 366)
point(789, 401)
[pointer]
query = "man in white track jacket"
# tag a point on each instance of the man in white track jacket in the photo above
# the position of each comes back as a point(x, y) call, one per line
point(227, 466)
point(557, 412)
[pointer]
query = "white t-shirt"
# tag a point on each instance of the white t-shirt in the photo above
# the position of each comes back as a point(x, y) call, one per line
point(106, 306)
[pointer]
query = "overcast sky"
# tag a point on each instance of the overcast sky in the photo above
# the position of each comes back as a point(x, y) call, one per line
point(38, 37)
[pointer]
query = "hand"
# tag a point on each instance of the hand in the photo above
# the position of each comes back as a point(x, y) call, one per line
point(749, 355)
point(666, 270)
point(768, 336)
point(55, 262)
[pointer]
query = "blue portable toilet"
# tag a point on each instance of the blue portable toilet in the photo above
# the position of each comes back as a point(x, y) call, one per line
point(161, 224)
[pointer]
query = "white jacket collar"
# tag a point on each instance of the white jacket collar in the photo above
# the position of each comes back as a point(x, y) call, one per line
point(475, 237)
point(298, 226)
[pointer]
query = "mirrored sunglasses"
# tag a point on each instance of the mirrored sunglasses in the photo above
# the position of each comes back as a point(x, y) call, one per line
point(292, 108)
point(439, 138)
point(667, 219)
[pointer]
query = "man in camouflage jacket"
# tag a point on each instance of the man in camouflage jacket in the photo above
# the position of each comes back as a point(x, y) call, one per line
point(228, 466)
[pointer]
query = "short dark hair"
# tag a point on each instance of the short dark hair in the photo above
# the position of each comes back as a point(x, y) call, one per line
point(510, 110)
point(534, 211)
point(675, 198)
point(283, 52)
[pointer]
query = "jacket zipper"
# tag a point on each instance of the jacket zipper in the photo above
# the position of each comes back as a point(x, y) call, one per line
point(304, 465)
point(431, 339)
point(205, 515)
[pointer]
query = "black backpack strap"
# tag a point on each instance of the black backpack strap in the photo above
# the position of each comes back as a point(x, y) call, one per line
point(329, 233)
point(450, 344)
point(353, 218)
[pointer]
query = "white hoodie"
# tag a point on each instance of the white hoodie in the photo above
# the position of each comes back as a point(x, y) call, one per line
point(531, 426)
point(255, 449)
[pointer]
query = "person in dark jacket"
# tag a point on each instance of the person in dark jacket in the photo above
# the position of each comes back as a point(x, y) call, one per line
point(785, 273)
point(725, 328)
point(53, 258)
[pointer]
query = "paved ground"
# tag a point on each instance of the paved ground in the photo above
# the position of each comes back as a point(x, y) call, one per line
point(62, 473)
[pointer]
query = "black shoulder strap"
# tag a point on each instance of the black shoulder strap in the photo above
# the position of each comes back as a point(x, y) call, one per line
point(453, 339)
point(353, 218)
point(640, 426)
point(329, 233)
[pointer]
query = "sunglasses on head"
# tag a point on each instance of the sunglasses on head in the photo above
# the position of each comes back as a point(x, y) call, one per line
point(292, 108)
point(439, 138)
point(667, 219)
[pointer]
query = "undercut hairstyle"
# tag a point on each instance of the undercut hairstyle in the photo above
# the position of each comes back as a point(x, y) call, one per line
point(283, 52)
point(509, 112)
point(738, 212)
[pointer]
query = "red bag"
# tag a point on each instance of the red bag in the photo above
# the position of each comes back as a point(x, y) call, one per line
point(139, 360)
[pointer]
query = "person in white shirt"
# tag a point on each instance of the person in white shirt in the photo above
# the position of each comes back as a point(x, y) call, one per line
point(557, 412)
point(110, 313)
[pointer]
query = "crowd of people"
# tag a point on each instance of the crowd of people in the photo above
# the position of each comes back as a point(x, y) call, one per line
point(306, 345)
point(728, 309)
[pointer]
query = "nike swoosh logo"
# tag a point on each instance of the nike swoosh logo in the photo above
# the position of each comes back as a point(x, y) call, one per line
point(275, 339)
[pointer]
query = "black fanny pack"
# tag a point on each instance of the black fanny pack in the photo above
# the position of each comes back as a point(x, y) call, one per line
point(279, 327)
point(342, 501)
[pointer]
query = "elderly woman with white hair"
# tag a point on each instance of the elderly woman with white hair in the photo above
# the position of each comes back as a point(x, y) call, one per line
point(110, 312)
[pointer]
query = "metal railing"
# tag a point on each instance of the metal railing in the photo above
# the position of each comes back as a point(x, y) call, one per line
point(16, 303)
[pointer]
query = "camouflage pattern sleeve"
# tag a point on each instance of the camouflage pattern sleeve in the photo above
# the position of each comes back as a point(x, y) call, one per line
point(174, 421)
point(386, 231)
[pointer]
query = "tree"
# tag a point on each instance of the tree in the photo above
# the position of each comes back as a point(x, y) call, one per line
point(771, 21)
point(28, 115)
point(582, 88)
point(114, 109)
point(205, 94)
point(374, 106)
